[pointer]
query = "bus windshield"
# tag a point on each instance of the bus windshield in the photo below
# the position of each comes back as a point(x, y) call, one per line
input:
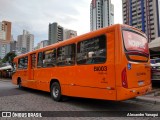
point(135, 42)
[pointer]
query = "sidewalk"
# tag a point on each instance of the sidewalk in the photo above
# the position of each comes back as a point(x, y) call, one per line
point(152, 97)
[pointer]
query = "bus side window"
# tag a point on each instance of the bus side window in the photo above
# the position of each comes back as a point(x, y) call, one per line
point(33, 61)
point(54, 57)
point(40, 59)
point(21, 63)
point(49, 58)
point(66, 55)
point(70, 54)
point(92, 51)
point(25, 62)
point(60, 56)
point(14, 66)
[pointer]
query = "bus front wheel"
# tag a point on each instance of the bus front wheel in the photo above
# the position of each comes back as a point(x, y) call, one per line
point(56, 92)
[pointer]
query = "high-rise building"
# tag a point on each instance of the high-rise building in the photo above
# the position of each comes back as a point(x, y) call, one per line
point(69, 34)
point(57, 33)
point(42, 44)
point(38, 46)
point(13, 46)
point(4, 48)
point(5, 38)
point(5, 30)
point(2, 32)
point(25, 42)
point(2, 35)
point(30, 42)
point(143, 14)
point(101, 14)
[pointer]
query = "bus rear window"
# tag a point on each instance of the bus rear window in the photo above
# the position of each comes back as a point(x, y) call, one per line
point(135, 42)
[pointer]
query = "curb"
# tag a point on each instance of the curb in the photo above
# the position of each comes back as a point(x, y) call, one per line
point(153, 91)
point(148, 99)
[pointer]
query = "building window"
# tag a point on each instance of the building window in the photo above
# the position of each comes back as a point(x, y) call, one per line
point(92, 51)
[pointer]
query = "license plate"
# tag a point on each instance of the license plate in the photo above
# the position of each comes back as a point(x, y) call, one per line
point(140, 83)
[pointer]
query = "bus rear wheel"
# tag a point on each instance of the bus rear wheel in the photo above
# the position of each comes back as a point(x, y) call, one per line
point(56, 92)
point(19, 84)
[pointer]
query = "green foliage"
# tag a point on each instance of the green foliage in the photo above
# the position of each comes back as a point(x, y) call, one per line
point(1, 62)
point(9, 57)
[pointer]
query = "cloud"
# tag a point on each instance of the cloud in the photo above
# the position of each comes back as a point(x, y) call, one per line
point(35, 15)
point(117, 11)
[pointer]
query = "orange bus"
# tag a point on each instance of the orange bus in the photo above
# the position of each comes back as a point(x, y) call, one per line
point(111, 63)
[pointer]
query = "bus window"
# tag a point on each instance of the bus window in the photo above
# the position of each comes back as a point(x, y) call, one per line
point(49, 58)
point(21, 63)
point(135, 45)
point(40, 59)
point(33, 60)
point(92, 51)
point(25, 62)
point(66, 55)
point(54, 57)
point(14, 66)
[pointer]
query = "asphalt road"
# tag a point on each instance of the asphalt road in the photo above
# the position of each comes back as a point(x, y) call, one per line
point(14, 99)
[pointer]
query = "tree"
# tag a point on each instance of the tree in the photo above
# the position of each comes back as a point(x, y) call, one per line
point(9, 57)
point(1, 62)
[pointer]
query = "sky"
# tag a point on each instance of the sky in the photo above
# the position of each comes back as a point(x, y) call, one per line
point(35, 15)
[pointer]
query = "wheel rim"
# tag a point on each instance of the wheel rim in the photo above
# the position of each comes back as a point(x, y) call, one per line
point(55, 92)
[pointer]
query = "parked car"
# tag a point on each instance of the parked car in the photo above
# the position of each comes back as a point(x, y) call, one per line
point(155, 71)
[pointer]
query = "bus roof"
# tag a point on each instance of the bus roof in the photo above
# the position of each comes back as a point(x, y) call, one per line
point(81, 37)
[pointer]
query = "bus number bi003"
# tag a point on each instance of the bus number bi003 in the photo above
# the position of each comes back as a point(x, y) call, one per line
point(100, 68)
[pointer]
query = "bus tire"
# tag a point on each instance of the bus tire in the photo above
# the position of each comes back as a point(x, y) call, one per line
point(20, 84)
point(56, 92)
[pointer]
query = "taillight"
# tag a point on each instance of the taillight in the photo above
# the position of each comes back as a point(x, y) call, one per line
point(124, 78)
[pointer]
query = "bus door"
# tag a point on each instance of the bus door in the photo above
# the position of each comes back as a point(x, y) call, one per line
point(95, 71)
point(31, 80)
point(23, 69)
